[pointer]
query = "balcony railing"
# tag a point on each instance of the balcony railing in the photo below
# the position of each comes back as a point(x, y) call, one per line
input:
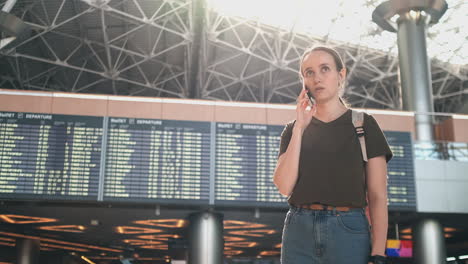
point(441, 150)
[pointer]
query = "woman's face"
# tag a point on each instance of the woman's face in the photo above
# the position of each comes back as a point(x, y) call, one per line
point(321, 76)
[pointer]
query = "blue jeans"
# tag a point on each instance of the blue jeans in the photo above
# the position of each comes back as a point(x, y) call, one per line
point(325, 237)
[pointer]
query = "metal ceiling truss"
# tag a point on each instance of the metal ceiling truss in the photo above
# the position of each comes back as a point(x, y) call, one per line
point(185, 49)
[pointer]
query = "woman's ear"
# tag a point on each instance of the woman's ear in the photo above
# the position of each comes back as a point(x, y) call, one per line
point(342, 75)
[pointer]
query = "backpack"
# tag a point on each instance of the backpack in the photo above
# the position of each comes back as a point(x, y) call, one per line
point(358, 121)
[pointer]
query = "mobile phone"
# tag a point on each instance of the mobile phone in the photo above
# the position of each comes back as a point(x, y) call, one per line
point(311, 97)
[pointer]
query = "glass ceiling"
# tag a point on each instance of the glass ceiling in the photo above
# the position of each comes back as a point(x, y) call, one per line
point(350, 21)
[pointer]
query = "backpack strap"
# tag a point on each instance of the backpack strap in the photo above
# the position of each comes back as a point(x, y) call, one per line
point(358, 121)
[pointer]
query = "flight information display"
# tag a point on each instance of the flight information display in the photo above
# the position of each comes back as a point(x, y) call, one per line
point(49, 156)
point(245, 160)
point(149, 159)
point(401, 190)
point(69, 157)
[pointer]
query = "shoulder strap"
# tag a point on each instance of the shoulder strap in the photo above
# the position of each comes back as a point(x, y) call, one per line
point(358, 121)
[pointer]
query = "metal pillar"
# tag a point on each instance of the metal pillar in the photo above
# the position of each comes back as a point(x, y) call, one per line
point(206, 242)
point(415, 71)
point(27, 251)
point(198, 22)
point(429, 246)
point(413, 19)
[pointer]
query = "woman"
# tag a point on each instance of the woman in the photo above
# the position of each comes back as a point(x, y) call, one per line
point(321, 171)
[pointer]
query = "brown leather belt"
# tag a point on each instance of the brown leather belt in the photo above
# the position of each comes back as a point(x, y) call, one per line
point(325, 207)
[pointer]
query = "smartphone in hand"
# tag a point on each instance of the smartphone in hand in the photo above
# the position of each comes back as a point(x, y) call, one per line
point(311, 97)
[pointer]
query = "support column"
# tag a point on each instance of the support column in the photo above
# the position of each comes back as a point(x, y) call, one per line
point(27, 251)
point(206, 242)
point(198, 30)
point(429, 242)
point(415, 71)
point(414, 17)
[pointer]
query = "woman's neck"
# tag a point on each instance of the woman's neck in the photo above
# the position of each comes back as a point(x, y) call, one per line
point(330, 111)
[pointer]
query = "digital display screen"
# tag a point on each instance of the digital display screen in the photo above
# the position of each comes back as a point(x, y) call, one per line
point(148, 159)
point(401, 190)
point(246, 156)
point(49, 156)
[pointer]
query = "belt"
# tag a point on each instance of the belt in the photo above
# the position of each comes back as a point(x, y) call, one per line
point(325, 207)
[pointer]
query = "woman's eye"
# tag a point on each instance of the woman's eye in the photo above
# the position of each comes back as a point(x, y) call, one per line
point(308, 73)
point(325, 69)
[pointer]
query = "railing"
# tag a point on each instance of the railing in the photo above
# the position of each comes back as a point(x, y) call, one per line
point(441, 150)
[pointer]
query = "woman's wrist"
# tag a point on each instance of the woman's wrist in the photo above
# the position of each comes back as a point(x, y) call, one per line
point(380, 253)
point(298, 129)
point(377, 259)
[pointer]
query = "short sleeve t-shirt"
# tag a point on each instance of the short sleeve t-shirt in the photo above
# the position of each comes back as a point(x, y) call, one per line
point(331, 168)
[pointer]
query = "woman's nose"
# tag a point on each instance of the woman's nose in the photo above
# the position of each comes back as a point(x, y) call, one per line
point(317, 79)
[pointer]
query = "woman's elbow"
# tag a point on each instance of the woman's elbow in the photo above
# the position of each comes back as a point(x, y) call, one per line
point(283, 190)
point(378, 197)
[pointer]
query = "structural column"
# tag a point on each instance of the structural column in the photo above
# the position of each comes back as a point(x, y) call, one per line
point(429, 246)
point(27, 251)
point(412, 19)
point(415, 71)
point(206, 242)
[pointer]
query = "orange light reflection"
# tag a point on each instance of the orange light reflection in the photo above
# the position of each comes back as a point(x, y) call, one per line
point(241, 244)
point(64, 228)
point(7, 244)
point(234, 224)
point(253, 233)
point(10, 218)
point(169, 223)
point(162, 237)
point(64, 247)
point(128, 230)
point(159, 247)
point(137, 242)
point(406, 231)
point(60, 242)
point(233, 252)
point(269, 253)
point(232, 239)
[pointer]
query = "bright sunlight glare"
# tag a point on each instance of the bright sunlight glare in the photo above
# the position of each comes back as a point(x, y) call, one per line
point(350, 22)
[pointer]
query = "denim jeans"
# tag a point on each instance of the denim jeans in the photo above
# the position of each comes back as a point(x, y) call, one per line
point(325, 237)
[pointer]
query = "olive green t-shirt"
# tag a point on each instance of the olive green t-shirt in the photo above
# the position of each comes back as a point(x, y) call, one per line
point(331, 168)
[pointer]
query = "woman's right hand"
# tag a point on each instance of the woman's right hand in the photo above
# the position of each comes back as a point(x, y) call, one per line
point(304, 113)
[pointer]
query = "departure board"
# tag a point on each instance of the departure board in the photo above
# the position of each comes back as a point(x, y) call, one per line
point(151, 160)
point(49, 156)
point(246, 157)
point(400, 170)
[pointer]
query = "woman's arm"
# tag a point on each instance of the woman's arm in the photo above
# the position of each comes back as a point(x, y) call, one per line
point(376, 171)
point(287, 167)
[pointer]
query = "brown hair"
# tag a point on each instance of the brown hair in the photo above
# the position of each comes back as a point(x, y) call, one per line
point(338, 62)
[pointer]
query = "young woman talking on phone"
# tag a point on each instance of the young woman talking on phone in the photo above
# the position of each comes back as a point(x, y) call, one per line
point(322, 172)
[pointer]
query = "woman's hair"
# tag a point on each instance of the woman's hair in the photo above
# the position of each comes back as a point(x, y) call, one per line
point(338, 62)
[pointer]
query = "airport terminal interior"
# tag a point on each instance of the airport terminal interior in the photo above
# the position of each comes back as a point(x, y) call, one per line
point(148, 131)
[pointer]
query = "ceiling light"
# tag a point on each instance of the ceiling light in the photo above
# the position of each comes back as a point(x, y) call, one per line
point(169, 223)
point(135, 230)
point(24, 219)
point(253, 233)
point(234, 224)
point(64, 228)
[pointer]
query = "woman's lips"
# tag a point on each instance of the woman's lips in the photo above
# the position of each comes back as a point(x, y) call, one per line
point(319, 89)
